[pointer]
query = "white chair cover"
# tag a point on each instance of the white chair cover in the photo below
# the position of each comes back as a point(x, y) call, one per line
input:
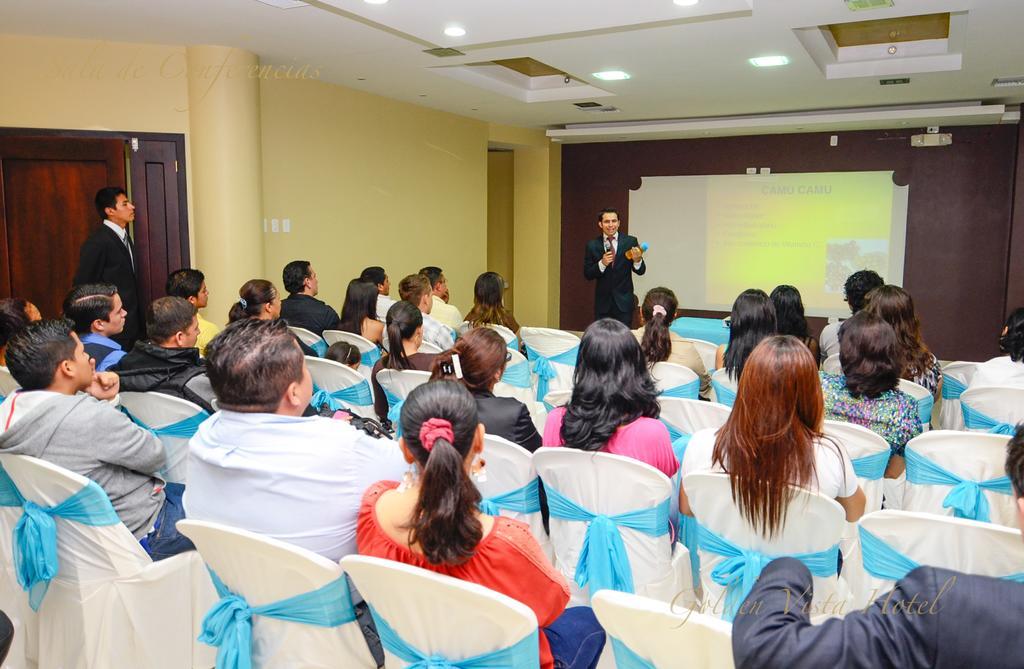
point(950, 416)
point(157, 410)
point(831, 365)
point(400, 382)
point(506, 334)
point(7, 383)
point(550, 342)
point(707, 352)
point(362, 343)
point(538, 412)
point(428, 347)
point(439, 615)
point(920, 395)
point(24, 651)
point(610, 485)
point(510, 467)
point(689, 416)
point(668, 375)
point(110, 606)
point(308, 338)
point(860, 442)
point(722, 378)
point(970, 455)
point(665, 635)
point(558, 398)
point(959, 544)
point(812, 523)
point(332, 376)
point(265, 570)
point(1005, 405)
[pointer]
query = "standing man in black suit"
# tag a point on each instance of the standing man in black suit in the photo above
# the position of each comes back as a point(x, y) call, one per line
point(931, 618)
point(611, 259)
point(108, 256)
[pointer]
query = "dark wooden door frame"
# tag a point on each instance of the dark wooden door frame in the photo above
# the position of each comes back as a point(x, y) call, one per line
point(179, 150)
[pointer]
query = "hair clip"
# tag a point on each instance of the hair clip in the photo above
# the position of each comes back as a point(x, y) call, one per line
point(241, 301)
point(658, 309)
point(457, 365)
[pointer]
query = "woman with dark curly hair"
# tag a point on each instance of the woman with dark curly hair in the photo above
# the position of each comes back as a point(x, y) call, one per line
point(789, 316)
point(614, 404)
point(1006, 371)
point(895, 306)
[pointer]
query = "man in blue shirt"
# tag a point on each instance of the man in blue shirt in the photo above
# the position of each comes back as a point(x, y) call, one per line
point(98, 315)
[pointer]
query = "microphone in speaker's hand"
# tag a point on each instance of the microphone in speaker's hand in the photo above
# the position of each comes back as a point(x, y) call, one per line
point(607, 245)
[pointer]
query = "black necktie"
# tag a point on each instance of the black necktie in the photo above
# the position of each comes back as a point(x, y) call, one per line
point(128, 245)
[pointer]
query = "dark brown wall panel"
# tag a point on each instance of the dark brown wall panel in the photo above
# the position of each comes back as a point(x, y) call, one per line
point(958, 225)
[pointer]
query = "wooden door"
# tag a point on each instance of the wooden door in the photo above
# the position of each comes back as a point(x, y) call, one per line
point(47, 187)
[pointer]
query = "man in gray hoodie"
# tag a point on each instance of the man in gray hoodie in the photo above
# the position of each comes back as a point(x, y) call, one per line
point(60, 415)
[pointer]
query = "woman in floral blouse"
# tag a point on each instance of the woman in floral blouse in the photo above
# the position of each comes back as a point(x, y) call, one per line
point(865, 393)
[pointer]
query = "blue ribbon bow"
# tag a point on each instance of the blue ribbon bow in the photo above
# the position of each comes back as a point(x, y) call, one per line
point(228, 623)
point(35, 536)
point(686, 391)
point(871, 467)
point(741, 567)
point(517, 375)
point(542, 366)
point(320, 348)
point(394, 411)
point(966, 498)
point(724, 394)
point(521, 500)
point(976, 420)
point(358, 395)
point(524, 654)
point(603, 562)
point(183, 429)
point(370, 358)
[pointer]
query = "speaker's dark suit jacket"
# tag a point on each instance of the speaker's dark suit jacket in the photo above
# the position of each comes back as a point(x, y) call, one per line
point(614, 290)
point(104, 259)
point(932, 618)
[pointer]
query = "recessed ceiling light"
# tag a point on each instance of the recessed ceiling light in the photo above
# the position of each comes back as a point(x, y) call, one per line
point(611, 75)
point(769, 61)
point(455, 31)
point(376, 2)
point(686, 3)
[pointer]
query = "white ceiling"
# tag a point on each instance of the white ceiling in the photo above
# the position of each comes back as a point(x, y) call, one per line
point(684, 62)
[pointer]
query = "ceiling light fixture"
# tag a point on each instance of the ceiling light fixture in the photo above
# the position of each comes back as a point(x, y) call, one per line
point(769, 61)
point(686, 3)
point(455, 31)
point(376, 2)
point(611, 75)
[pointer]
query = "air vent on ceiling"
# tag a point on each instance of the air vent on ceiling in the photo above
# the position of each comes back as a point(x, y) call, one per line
point(601, 109)
point(587, 105)
point(858, 5)
point(1004, 82)
point(444, 52)
point(894, 82)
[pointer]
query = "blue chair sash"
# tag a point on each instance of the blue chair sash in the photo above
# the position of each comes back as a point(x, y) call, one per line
point(976, 420)
point(603, 562)
point(542, 366)
point(627, 658)
point(370, 358)
point(394, 411)
point(952, 387)
point(184, 429)
point(358, 394)
point(966, 498)
point(517, 375)
point(883, 561)
point(688, 525)
point(35, 536)
point(741, 567)
point(228, 623)
point(9, 494)
point(871, 467)
point(524, 654)
point(320, 348)
point(513, 343)
point(686, 391)
point(674, 433)
point(924, 409)
point(521, 500)
point(723, 393)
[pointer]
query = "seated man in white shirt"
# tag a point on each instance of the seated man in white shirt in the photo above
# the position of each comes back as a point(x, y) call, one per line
point(1006, 371)
point(377, 276)
point(855, 291)
point(415, 289)
point(259, 465)
point(448, 314)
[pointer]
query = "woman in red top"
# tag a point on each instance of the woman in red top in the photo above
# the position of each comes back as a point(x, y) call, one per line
point(433, 522)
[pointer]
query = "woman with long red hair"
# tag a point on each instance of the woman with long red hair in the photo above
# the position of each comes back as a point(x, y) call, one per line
point(773, 439)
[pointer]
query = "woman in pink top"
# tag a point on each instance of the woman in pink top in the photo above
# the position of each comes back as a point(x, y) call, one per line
point(614, 405)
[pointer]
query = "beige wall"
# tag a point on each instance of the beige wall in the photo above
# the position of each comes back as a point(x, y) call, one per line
point(365, 181)
point(501, 219)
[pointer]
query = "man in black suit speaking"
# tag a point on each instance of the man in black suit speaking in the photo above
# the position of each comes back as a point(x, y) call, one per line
point(611, 259)
point(108, 256)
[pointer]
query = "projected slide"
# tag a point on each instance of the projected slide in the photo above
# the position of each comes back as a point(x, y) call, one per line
point(712, 237)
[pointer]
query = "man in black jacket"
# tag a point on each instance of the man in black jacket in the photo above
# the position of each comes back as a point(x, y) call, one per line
point(301, 308)
point(932, 617)
point(611, 259)
point(108, 256)
point(169, 363)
